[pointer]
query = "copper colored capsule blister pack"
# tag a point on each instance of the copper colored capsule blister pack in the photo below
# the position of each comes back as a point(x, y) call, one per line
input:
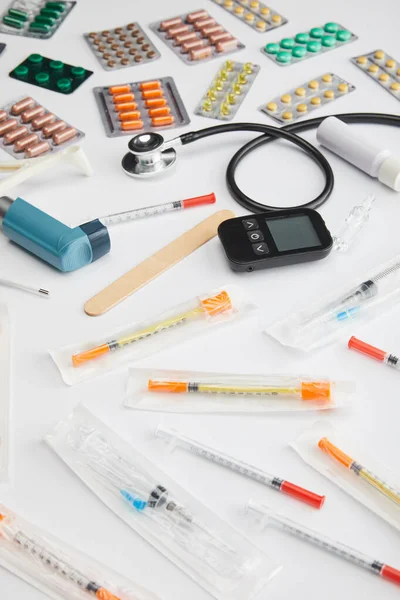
point(148, 105)
point(257, 15)
point(28, 130)
point(306, 97)
point(196, 37)
point(126, 46)
point(384, 69)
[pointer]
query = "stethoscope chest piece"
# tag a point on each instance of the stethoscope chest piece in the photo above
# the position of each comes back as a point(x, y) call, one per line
point(148, 156)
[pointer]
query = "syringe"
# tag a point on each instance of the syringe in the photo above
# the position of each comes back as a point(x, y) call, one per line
point(313, 537)
point(208, 307)
point(276, 483)
point(358, 469)
point(10, 532)
point(390, 359)
point(289, 387)
point(24, 288)
point(157, 209)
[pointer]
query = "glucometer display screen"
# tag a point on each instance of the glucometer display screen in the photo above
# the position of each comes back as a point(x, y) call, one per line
point(293, 233)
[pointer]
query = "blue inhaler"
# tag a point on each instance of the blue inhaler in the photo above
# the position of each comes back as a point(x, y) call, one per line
point(63, 247)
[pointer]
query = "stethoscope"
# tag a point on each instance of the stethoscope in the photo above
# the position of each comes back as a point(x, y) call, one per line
point(150, 155)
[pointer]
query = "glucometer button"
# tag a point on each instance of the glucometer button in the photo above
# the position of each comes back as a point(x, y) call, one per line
point(260, 249)
point(255, 236)
point(250, 224)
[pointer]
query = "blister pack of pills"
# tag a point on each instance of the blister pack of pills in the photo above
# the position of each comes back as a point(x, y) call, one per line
point(384, 69)
point(256, 14)
point(50, 74)
point(151, 105)
point(27, 130)
point(312, 94)
point(196, 37)
point(34, 18)
point(125, 46)
point(227, 90)
point(304, 45)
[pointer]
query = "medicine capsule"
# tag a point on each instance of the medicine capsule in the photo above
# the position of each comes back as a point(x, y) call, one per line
point(12, 136)
point(219, 85)
point(24, 142)
point(159, 112)
point(22, 105)
point(242, 79)
point(225, 109)
point(8, 125)
point(43, 120)
point(155, 102)
point(150, 85)
point(49, 130)
point(131, 125)
point(207, 105)
point(231, 99)
point(223, 75)
point(130, 115)
point(162, 121)
point(37, 149)
point(237, 88)
point(212, 94)
point(248, 68)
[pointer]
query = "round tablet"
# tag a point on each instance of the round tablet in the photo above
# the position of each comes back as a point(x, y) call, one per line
point(272, 106)
point(398, 72)
point(276, 19)
point(343, 35)
point(272, 48)
point(302, 38)
point(299, 51)
point(316, 101)
point(316, 32)
point(261, 25)
point(384, 77)
point(343, 87)
point(362, 60)
point(78, 71)
point(379, 54)
point(373, 68)
point(390, 63)
point(284, 57)
point(329, 94)
point(287, 43)
point(254, 4)
point(313, 85)
point(327, 78)
point(249, 17)
point(286, 98)
point(331, 27)
point(287, 115)
point(228, 3)
point(300, 91)
point(42, 78)
point(395, 86)
point(64, 84)
point(302, 108)
point(265, 11)
point(328, 41)
point(239, 10)
point(35, 58)
point(314, 46)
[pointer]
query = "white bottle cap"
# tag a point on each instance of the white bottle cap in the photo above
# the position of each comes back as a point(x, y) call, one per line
point(389, 172)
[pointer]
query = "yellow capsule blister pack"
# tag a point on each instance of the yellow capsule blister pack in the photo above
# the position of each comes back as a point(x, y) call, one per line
point(256, 14)
point(305, 98)
point(227, 90)
point(384, 69)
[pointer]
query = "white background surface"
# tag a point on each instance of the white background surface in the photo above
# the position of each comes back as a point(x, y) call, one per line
point(42, 488)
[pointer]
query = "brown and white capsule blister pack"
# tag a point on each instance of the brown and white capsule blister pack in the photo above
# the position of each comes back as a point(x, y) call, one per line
point(305, 98)
point(126, 46)
point(257, 15)
point(28, 130)
point(384, 69)
point(196, 37)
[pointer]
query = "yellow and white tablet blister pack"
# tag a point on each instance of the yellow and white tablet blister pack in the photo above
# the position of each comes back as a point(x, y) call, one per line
point(305, 98)
point(381, 67)
point(227, 90)
point(256, 14)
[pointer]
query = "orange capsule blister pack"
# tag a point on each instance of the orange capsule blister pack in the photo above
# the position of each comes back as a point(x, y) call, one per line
point(196, 37)
point(143, 105)
point(28, 130)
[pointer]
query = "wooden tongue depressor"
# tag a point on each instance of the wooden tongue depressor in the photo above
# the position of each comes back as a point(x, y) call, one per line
point(156, 264)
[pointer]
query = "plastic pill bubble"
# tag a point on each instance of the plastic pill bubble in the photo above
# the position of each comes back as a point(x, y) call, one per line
point(207, 105)
point(265, 11)
point(272, 106)
point(384, 77)
point(231, 98)
point(276, 19)
point(225, 108)
point(314, 46)
point(313, 85)
point(272, 48)
point(362, 60)
point(284, 57)
point(302, 108)
point(331, 27)
point(379, 54)
point(239, 10)
point(327, 78)
point(237, 88)
point(373, 68)
point(343, 35)
point(287, 115)
point(391, 63)
point(316, 32)
point(395, 86)
point(242, 79)
point(212, 95)
point(286, 98)
point(299, 51)
point(302, 38)
point(300, 91)
point(328, 41)
point(249, 17)
point(329, 94)
point(229, 65)
point(223, 75)
point(219, 85)
point(248, 68)
point(343, 87)
point(261, 25)
point(316, 101)
point(287, 43)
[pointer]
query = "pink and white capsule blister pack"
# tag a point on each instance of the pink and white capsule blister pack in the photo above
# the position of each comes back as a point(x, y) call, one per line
point(196, 37)
point(28, 130)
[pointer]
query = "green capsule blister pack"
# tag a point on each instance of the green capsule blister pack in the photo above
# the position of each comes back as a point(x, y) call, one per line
point(50, 74)
point(34, 18)
point(302, 45)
